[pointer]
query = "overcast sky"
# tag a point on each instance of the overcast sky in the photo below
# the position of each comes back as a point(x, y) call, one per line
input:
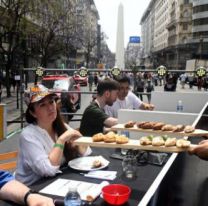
point(108, 11)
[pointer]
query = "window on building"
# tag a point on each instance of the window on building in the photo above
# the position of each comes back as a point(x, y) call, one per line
point(201, 8)
point(185, 26)
point(203, 21)
point(186, 1)
point(184, 40)
point(185, 13)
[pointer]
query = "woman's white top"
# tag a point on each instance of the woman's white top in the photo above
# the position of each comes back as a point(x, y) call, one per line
point(33, 162)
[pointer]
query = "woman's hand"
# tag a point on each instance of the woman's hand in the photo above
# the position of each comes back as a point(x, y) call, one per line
point(69, 136)
point(200, 150)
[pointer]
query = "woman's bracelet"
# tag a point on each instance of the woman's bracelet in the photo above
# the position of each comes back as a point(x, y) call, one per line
point(61, 146)
point(27, 195)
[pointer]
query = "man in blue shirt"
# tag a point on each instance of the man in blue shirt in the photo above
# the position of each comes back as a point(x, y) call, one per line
point(15, 191)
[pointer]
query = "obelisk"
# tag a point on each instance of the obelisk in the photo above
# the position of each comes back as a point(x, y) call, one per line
point(119, 61)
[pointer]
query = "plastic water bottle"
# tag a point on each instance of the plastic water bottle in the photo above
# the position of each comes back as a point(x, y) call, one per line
point(179, 106)
point(72, 198)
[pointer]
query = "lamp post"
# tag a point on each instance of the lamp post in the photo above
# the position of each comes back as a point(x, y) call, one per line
point(201, 46)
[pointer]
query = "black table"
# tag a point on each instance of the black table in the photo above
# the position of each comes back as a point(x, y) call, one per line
point(146, 174)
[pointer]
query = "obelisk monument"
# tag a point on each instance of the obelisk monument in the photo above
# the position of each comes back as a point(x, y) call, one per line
point(119, 61)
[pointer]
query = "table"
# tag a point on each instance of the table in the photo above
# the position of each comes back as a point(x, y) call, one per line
point(146, 174)
point(181, 181)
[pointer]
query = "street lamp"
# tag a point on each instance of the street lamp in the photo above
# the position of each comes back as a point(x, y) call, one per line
point(201, 46)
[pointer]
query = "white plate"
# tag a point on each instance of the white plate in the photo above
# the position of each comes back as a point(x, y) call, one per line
point(85, 163)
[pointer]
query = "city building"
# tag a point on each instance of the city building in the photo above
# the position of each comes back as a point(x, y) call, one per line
point(133, 52)
point(87, 33)
point(147, 34)
point(180, 32)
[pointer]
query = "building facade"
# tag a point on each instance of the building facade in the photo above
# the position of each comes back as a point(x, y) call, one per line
point(88, 31)
point(133, 54)
point(180, 31)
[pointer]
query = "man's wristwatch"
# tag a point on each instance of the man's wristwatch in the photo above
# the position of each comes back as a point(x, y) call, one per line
point(29, 192)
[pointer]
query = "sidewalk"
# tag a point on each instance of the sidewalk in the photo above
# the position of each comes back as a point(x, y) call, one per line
point(12, 112)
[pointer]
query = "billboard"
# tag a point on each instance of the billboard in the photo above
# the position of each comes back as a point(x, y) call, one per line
point(134, 39)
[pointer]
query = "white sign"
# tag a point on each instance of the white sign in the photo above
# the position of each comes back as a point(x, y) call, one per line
point(17, 77)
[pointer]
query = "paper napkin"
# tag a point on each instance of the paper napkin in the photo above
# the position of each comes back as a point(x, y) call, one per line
point(100, 174)
point(91, 192)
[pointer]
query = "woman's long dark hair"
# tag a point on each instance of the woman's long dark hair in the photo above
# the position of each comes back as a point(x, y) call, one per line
point(59, 127)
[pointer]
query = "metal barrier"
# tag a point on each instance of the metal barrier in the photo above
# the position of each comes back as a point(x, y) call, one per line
point(23, 83)
point(3, 131)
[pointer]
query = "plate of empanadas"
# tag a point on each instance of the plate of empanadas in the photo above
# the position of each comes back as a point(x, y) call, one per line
point(110, 137)
point(165, 141)
point(161, 128)
point(161, 143)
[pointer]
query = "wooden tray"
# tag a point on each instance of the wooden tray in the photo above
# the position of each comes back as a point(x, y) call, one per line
point(197, 132)
point(132, 144)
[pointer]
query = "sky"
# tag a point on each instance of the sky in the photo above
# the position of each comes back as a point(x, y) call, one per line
point(108, 12)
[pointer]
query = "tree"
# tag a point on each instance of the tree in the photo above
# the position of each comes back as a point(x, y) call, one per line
point(53, 30)
point(12, 28)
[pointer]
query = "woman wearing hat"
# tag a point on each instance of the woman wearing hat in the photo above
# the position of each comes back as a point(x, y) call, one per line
point(47, 142)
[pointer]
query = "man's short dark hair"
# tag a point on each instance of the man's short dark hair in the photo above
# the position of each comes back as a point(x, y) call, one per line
point(107, 85)
point(123, 79)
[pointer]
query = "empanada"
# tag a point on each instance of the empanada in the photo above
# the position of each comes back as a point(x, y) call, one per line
point(121, 139)
point(170, 142)
point(96, 164)
point(158, 141)
point(99, 137)
point(145, 141)
point(179, 128)
point(110, 137)
point(158, 126)
point(189, 129)
point(139, 124)
point(168, 127)
point(129, 124)
point(148, 125)
point(182, 143)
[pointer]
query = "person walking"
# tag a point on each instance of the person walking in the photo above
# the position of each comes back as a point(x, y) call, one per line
point(139, 86)
point(149, 88)
point(90, 81)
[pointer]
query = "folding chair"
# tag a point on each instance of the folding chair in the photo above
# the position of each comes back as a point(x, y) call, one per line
point(8, 160)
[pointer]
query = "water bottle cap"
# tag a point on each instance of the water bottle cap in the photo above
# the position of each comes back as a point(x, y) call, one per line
point(72, 188)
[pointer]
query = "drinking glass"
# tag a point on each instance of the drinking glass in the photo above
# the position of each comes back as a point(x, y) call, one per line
point(129, 166)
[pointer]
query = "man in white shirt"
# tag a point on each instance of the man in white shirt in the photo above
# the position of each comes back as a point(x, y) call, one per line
point(126, 99)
